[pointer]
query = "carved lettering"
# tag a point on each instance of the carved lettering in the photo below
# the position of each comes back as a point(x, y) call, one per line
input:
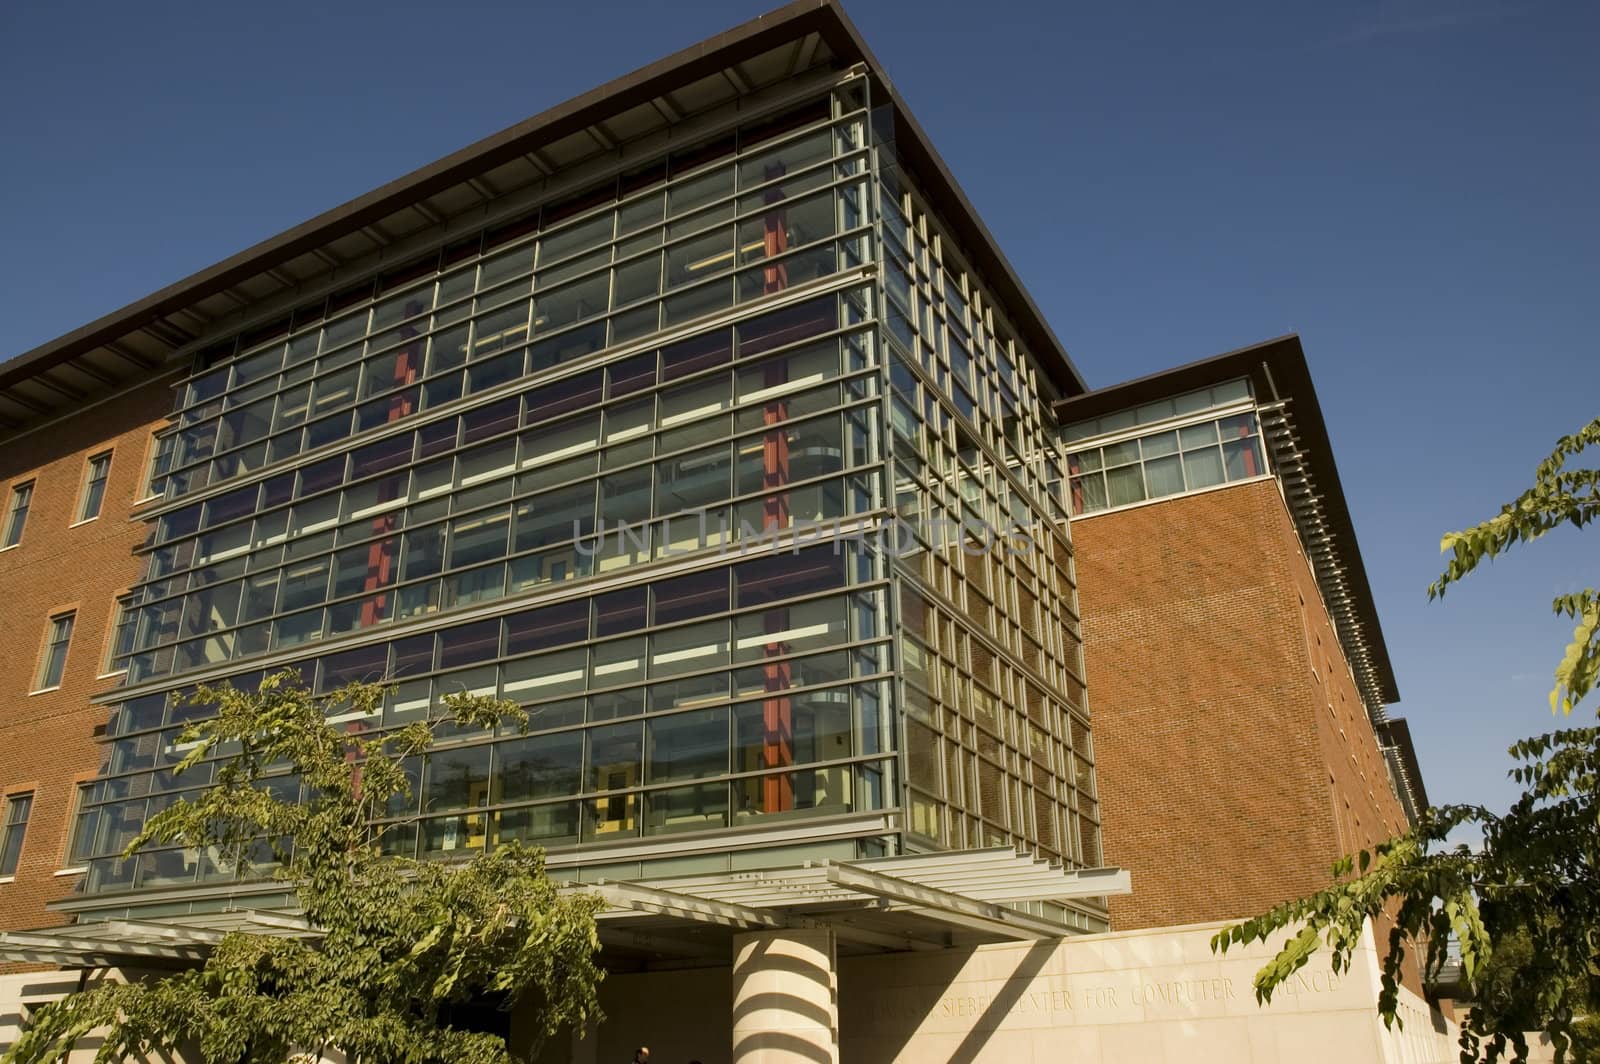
point(1038, 996)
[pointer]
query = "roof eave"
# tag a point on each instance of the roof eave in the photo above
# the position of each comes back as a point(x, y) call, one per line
point(826, 18)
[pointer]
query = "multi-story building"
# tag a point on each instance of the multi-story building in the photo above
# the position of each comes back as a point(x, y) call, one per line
point(71, 464)
point(702, 417)
point(1240, 674)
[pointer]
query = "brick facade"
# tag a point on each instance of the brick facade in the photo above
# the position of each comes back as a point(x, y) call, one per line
point(47, 738)
point(1236, 761)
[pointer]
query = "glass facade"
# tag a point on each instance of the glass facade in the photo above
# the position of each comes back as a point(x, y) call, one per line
point(1195, 441)
point(995, 720)
point(727, 469)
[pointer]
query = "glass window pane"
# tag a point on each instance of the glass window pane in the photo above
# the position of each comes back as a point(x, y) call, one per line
point(1231, 391)
point(479, 538)
point(18, 809)
point(614, 756)
point(543, 766)
point(555, 517)
point(545, 676)
point(577, 237)
point(689, 649)
point(95, 482)
point(557, 308)
point(1243, 458)
point(687, 597)
point(1164, 476)
point(687, 745)
point(17, 515)
point(696, 480)
point(457, 779)
point(562, 440)
point(540, 825)
point(1124, 485)
point(685, 195)
point(1237, 427)
point(787, 158)
point(305, 584)
point(1159, 444)
point(1203, 468)
point(1121, 453)
point(1198, 435)
point(695, 690)
point(1089, 493)
point(468, 644)
point(696, 353)
point(636, 280)
point(790, 629)
point(620, 661)
point(549, 626)
point(700, 808)
point(699, 257)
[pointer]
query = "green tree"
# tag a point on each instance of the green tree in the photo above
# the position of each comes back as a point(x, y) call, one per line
point(1524, 905)
point(396, 943)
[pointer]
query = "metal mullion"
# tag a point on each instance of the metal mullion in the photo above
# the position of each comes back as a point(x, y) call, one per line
point(838, 333)
point(1153, 428)
point(396, 588)
point(300, 458)
point(1005, 655)
point(727, 702)
point(381, 633)
point(736, 777)
point(836, 282)
point(947, 405)
point(736, 268)
point(585, 643)
point(731, 159)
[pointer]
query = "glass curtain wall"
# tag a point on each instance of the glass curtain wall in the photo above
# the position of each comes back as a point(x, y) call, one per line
point(580, 464)
point(997, 744)
point(576, 461)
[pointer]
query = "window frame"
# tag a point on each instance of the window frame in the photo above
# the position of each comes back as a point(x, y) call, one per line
point(82, 807)
point(46, 653)
point(7, 826)
point(124, 614)
point(89, 483)
point(21, 500)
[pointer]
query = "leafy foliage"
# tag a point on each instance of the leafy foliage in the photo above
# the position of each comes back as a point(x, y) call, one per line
point(1559, 496)
point(1524, 908)
point(397, 942)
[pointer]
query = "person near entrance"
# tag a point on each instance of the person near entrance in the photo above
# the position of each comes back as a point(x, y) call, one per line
point(641, 1055)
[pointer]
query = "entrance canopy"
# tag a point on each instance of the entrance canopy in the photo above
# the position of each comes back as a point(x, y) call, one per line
point(913, 902)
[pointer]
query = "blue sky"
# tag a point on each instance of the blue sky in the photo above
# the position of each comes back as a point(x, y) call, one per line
point(1409, 184)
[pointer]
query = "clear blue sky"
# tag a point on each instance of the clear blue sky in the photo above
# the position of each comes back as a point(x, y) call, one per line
point(1412, 185)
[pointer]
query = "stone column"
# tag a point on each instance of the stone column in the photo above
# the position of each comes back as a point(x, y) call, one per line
point(785, 998)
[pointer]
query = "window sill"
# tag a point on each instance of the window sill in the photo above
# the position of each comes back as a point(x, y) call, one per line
point(7, 879)
point(85, 521)
point(112, 675)
point(44, 690)
point(13, 546)
point(72, 871)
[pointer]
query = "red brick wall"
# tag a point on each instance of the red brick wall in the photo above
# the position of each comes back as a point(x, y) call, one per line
point(1226, 784)
point(47, 738)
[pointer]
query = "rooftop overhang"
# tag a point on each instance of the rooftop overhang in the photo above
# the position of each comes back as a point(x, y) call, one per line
point(1294, 430)
point(1398, 749)
point(889, 904)
point(622, 120)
